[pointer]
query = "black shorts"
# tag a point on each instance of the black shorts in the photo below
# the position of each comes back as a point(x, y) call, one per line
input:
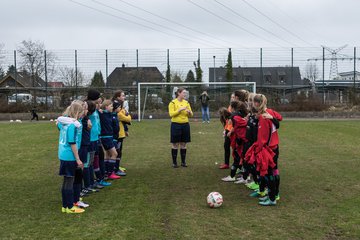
point(180, 132)
point(107, 143)
point(67, 168)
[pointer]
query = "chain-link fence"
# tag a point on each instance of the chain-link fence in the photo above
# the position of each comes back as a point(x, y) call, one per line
point(53, 78)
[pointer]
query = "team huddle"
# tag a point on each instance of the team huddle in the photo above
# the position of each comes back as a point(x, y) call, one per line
point(250, 129)
point(91, 139)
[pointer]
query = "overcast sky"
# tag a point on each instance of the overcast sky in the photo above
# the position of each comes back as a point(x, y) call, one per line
point(114, 24)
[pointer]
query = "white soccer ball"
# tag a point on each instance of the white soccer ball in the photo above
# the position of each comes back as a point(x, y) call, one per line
point(150, 116)
point(18, 120)
point(214, 200)
point(11, 120)
point(51, 120)
point(43, 117)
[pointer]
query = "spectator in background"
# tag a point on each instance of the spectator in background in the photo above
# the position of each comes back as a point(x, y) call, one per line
point(34, 114)
point(204, 99)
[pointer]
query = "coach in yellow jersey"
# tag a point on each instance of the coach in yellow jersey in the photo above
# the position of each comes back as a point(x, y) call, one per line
point(180, 111)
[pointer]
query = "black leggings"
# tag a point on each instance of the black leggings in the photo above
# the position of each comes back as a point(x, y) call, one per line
point(227, 142)
point(236, 164)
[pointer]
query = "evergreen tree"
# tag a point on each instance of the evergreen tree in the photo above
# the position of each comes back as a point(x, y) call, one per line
point(198, 71)
point(2, 73)
point(190, 77)
point(11, 70)
point(97, 81)
point(229, 68)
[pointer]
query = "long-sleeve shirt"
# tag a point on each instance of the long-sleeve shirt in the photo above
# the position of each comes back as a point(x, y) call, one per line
point(106, 122)
point(123, 117)
point(176, 116)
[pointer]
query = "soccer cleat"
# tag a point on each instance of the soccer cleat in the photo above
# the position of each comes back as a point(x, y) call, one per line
point(120, 173)
point(224, 166)
point(97, 185)
point(74, 209)
point(268, 202)
point(253, 186)
point(183, 165)
point(263, 199)
point(92, 190)
point(277, 197)
point(175, 166)
point(81, 204)
point(122, 169)
point(228, 179)
point(63, 210)
point(240, 181)
point(113, 176)
point(257, 194)
point(104, 183)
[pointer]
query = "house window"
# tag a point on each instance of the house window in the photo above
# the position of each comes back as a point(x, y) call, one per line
point(247, 78)
point(282, 79)
point(268, 79)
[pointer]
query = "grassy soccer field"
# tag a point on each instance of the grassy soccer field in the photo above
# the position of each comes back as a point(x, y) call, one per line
point(320, 187)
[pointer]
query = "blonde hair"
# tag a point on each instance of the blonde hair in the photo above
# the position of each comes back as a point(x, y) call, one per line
point(75, 110)
point(105, 103)
point(261, 99)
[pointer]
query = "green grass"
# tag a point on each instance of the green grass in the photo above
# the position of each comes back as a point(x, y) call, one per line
point(319, 166)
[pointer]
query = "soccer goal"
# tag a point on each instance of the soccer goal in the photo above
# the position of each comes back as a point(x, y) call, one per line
point(153, 98)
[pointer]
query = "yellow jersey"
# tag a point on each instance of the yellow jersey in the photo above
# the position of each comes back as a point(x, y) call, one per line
point(182, 116)
point(123, 117)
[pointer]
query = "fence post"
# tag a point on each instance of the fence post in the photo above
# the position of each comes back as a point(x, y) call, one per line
point(292, 74)
point(46, 83)
point(137, 79)
point(106, 68)
point(15, 76)
point(323, 75)
point(261, 68)
point(76, 76)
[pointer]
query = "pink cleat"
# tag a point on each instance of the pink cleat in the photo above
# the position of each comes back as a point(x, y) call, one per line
point(113, 176)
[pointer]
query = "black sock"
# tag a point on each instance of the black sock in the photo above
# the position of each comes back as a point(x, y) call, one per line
point(271, 187)
point(277, 184)
point(183, 156)
point(174, 153)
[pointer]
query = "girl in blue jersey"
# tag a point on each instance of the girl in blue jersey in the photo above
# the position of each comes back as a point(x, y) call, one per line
point(69, 142)
point(94, 96)
point(106, 137)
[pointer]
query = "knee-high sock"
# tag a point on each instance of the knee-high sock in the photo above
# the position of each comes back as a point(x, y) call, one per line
point(77, 184)
point(271, 187)
point(183, 155)
point(68, 192)
point(174, 153)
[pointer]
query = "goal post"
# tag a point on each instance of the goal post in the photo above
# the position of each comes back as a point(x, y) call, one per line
point(155, 96)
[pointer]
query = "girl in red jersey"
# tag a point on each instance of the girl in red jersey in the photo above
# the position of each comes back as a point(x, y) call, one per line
point(261, 152)
point(238, 138)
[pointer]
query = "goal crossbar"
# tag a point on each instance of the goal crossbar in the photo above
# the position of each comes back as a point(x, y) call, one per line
point(253, 84)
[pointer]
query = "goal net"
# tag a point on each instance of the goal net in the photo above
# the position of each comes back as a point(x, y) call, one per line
point(153, 98)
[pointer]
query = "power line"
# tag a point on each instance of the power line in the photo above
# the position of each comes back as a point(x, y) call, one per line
point(179, 24)
point(133, 22)
point(248, 20)
point(145, 20)
point(277, 24)
point(270, 2)
point(225, 20)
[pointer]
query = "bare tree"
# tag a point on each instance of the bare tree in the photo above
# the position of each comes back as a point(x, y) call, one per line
point(311, 71)
point(2, 56)
point(33, 58)
point(68, 77)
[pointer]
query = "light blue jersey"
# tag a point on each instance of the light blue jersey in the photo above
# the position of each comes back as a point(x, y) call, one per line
point(68, 134)
point(79, 135)
point(96, 128)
